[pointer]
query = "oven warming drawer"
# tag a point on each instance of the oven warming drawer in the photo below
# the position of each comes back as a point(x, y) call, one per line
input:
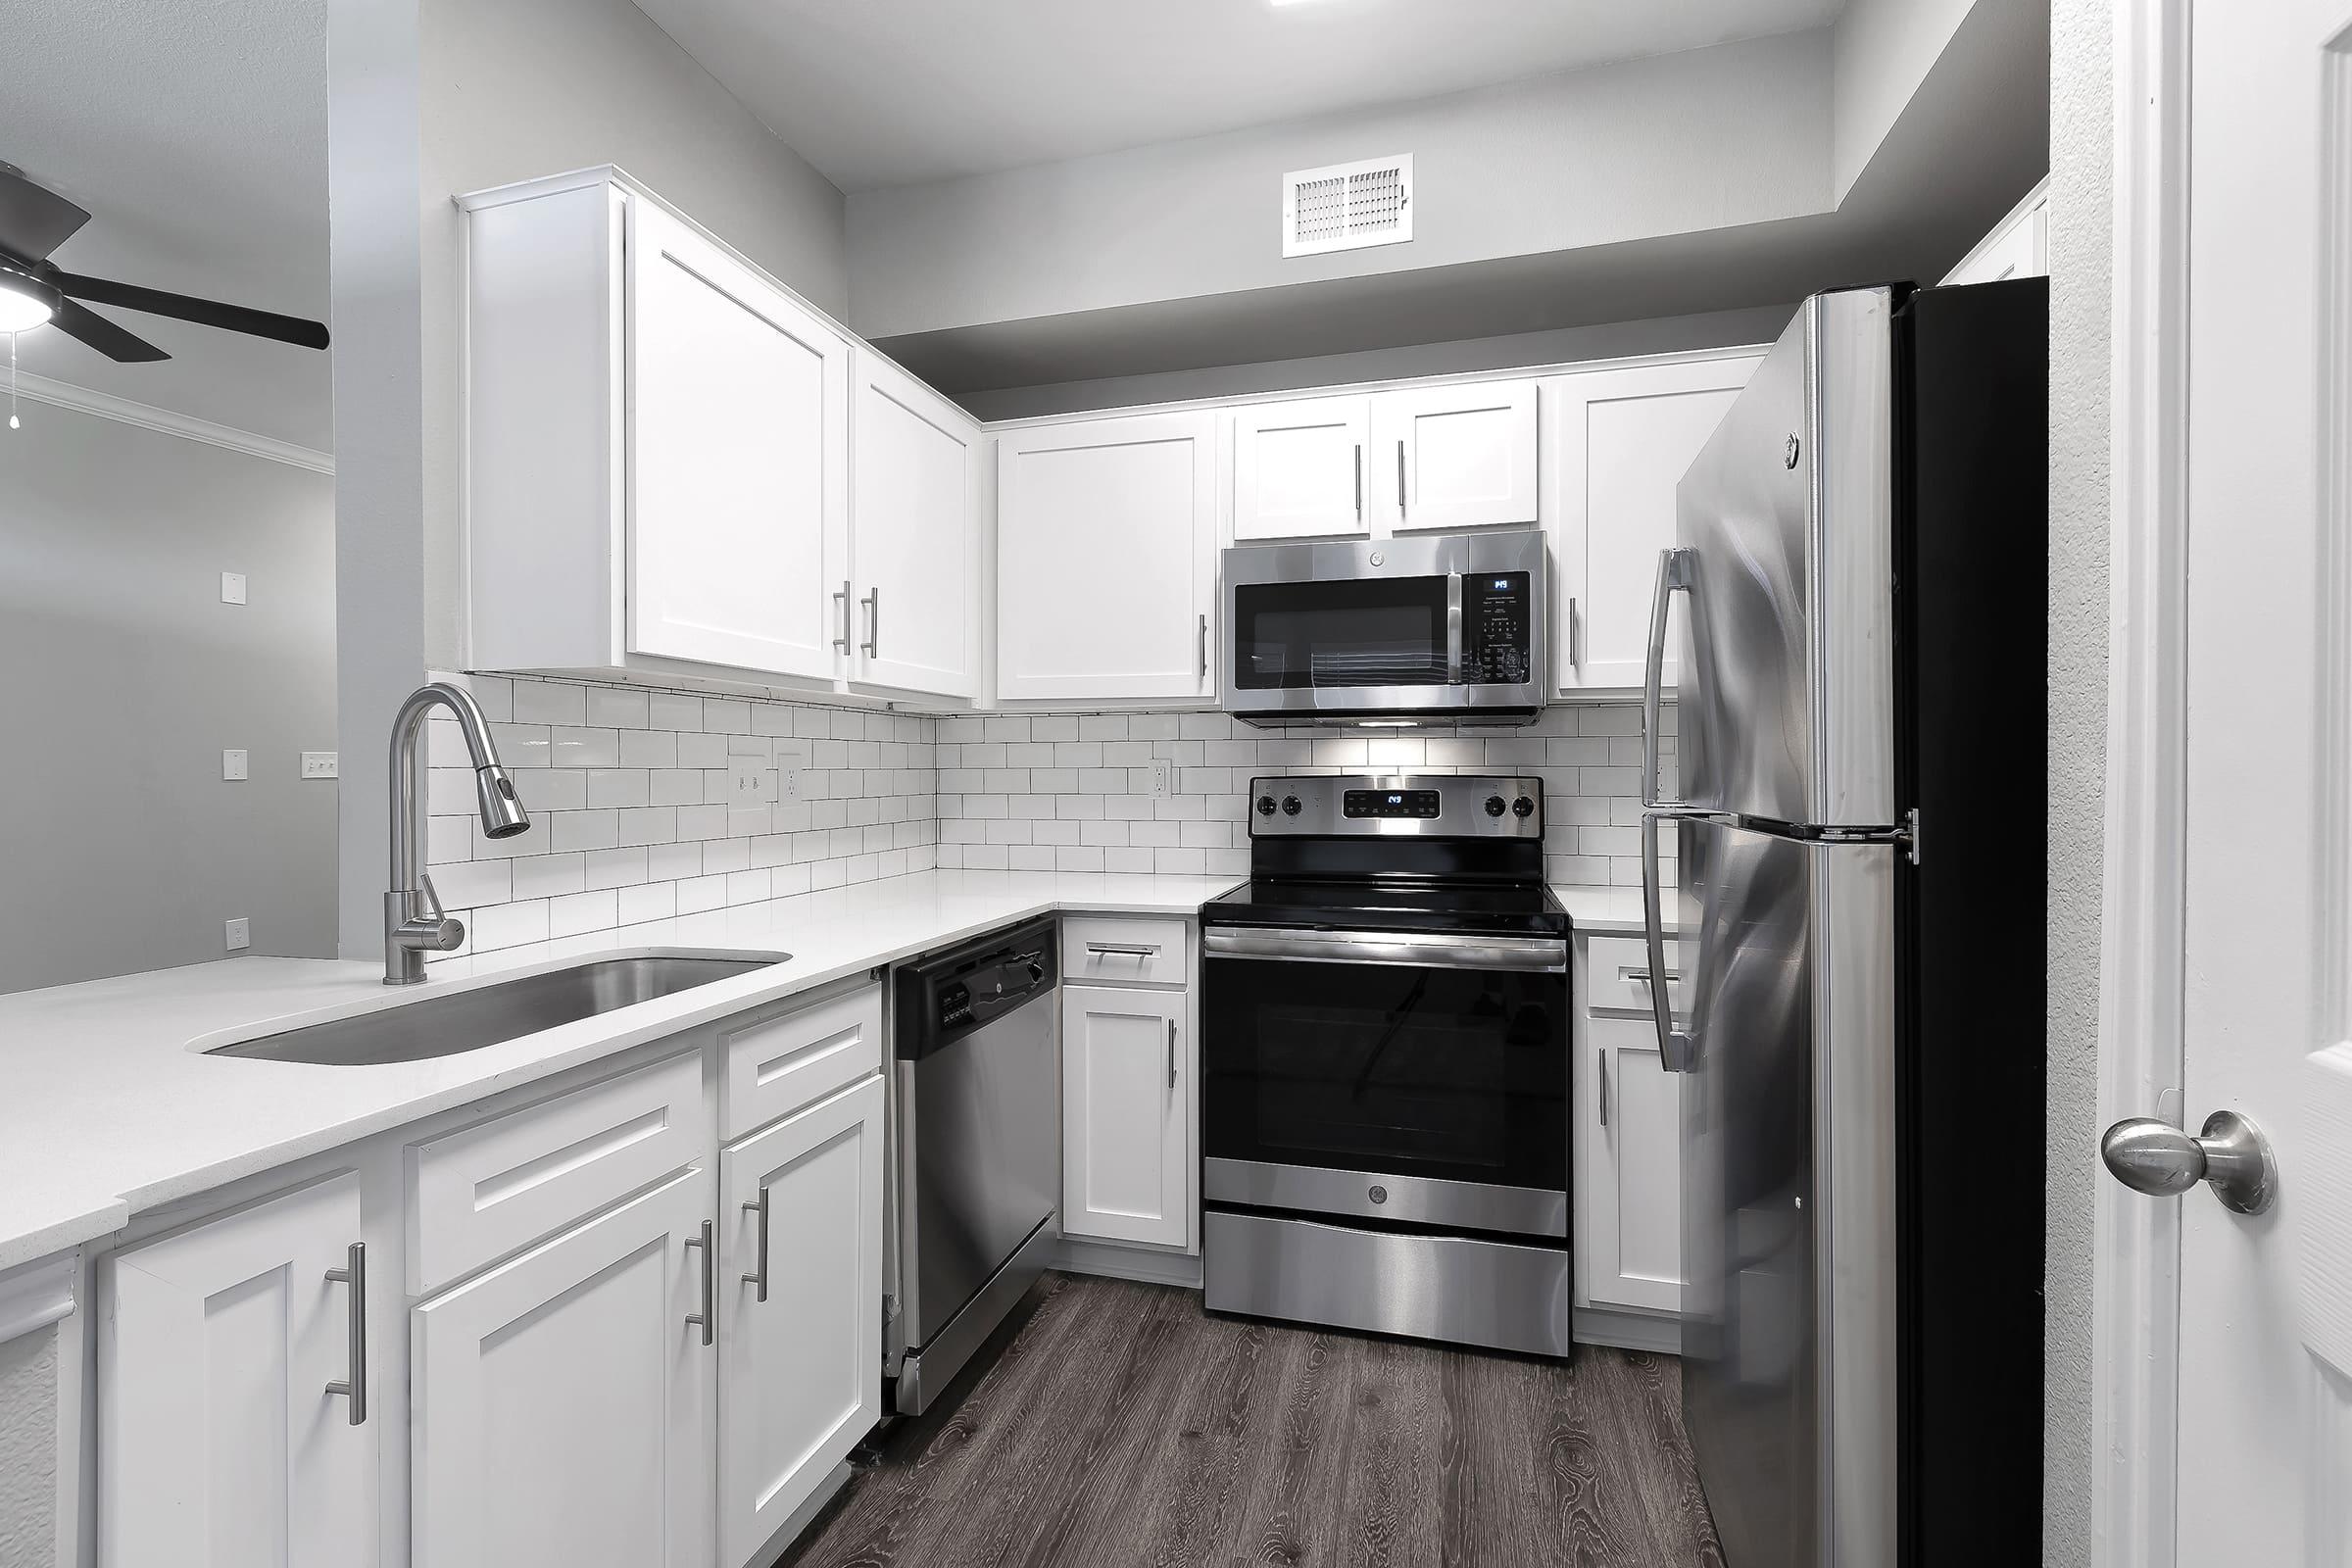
point(1405, 1200)
point(1499, 1294)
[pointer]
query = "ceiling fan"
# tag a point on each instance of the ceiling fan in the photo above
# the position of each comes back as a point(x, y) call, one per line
point(34, 221)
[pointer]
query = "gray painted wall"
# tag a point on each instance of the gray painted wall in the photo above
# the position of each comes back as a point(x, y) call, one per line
point(1662, 335)
point(1879, 52)
point(2082, 175)
point(28, 1451)
point(124, 847)
point(1700, 140)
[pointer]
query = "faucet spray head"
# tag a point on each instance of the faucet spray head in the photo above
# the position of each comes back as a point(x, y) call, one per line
point(503, 816)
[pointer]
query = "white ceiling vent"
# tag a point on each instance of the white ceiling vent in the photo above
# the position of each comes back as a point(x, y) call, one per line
point(1346, 206)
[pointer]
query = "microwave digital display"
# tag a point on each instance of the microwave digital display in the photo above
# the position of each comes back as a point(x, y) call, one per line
point(1494, 629)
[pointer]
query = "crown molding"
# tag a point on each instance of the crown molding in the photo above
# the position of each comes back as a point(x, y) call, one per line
point(166, 422)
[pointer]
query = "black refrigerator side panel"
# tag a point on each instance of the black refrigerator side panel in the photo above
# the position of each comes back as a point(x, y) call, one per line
point(1972, 563)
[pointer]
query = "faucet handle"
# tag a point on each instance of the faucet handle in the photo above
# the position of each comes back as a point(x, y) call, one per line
point(447, 935)
point(432, 900)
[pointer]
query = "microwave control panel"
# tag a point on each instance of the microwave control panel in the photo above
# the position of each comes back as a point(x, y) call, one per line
point(1497, 617)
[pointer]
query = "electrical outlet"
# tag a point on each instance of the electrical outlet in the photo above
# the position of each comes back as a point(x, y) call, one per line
point(790, 758)
point(1163, 779)
point(232, 764)
point(232, 587)
point(321, 765)
point(238, 934)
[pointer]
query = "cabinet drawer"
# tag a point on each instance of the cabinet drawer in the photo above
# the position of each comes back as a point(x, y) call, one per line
point(778, 1064)
point(480, 1194)
point(1618, 978)
point(1123, 953)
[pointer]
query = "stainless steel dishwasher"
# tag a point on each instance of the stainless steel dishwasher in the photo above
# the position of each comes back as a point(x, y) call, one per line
point(978, 1155)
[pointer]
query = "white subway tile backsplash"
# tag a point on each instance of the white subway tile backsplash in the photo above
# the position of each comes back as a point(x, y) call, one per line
point(540, 702)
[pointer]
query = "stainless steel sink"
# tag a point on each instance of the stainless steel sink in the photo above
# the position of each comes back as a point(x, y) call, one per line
point(458, 1021)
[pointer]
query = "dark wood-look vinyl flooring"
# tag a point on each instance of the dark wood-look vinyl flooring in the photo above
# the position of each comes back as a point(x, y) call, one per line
point(1120, 1425)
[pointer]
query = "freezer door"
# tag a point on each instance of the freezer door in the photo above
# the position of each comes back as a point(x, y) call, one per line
point(1785, 521)
point(1789, 1197)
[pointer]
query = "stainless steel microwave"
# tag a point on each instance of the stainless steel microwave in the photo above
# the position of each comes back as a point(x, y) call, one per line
point(1434, 628)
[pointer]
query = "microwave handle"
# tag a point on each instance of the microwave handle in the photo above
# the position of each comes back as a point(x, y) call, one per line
point(1454, 629)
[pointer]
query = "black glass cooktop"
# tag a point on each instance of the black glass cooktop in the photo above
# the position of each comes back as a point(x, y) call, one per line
point(1482, 909)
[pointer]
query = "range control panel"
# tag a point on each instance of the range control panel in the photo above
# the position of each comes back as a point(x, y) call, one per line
point(1497, 628)
point(1422, 805)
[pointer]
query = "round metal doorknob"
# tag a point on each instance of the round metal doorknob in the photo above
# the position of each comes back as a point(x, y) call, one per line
point(2157, 1157)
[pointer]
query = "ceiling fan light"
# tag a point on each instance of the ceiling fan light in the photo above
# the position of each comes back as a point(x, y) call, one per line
point(22, 305)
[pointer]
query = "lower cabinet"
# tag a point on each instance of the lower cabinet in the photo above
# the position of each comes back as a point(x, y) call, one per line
point(800, 1310)
point(562, 1402)
point(1629, 1178)
point(1126, 1157)
point(221, 1443)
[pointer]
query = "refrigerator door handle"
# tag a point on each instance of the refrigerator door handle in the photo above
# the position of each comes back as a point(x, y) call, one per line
point(1675, 575)
point(1678, 1051)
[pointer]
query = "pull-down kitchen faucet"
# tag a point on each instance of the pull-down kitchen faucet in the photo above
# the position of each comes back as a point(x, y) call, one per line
point(412, 929)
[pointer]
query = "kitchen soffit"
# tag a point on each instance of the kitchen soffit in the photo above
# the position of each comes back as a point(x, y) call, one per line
point(908, 91)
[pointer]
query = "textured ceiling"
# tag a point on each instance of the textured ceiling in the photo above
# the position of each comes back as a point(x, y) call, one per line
point(893, 92)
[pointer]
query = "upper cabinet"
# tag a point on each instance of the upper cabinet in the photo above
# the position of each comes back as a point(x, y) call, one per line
point(1621, 441)
point(1375, 464)
point(915, 535)
point(2018, 246)
point(677, 469)
point(1106, 538)
point(736, 461)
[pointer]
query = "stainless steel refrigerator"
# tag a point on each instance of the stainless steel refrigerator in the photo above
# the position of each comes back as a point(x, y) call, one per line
point(1859, 579)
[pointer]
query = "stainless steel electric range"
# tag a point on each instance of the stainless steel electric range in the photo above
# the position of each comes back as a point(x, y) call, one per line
point(1384, 1102)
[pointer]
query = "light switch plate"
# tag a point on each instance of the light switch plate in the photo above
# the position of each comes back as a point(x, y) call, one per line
point(321, 765)
point(237, 934)
point(232, 764)
point(747, 781)
point(232, 587)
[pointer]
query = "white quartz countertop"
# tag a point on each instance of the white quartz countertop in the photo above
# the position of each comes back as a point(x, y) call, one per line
point(1609, 911)
point(109, 1107)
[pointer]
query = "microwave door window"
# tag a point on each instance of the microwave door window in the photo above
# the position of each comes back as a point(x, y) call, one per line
point(1328, 634)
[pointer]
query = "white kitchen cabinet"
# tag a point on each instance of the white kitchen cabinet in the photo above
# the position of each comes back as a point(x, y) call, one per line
point(1299, 468)
point(219, 1444)
point(799, 1318)
point(2018, 246)
point(1126, 1157)
point(1621, 441)
point(1106, 539)
point(914, 535)
point(1459, 454)
point(562, 1402)
point(1629, 1187)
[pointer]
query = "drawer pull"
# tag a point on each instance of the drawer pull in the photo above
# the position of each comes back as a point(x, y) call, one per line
point(1124, 949)
point(1640, 978)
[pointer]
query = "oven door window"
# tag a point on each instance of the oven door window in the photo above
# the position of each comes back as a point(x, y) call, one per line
point(1387, 632)
point(1455, 1074)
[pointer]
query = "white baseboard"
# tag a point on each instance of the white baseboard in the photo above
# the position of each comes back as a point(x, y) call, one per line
point(1146, 1265)
point(1628, 1330)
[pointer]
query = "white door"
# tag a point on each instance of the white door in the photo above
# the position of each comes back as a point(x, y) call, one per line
point(799, 1318)
point(560, 1409)
point(2263, 1465)
point(1125, 1170)
point(1455, 457)
point(738, 460)
point(1620, 442)
point(1106, 543)
point(1299, 468)
point(914, 514)
point(219, 1445)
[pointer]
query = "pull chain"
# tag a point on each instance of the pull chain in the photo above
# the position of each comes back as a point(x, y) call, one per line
point(12, 383)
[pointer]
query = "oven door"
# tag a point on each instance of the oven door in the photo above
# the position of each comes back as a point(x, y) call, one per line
point(1419, 1080)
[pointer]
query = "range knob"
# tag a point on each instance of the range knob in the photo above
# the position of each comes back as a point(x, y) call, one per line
point(1523, 807)
point(1494, 806)
point(1290, 805)
point(1265, 805)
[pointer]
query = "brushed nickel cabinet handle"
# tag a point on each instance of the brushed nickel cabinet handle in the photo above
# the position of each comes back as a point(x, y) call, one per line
point(1171, 1053)
point(873, 623)
point(702, 1319)
point(1401, 478)
point(841, 644)
point(354, 1383)
point(1600, 1060)
point(1359, 482)
point(1204, 648)
point(1124, 949)
point(759, 1275)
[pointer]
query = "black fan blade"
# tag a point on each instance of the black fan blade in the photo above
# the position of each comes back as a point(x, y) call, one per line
point(104, 335)
point(33, 221)
point(208, 313)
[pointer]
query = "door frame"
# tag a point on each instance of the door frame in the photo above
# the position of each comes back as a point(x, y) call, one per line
point(2136, 1302)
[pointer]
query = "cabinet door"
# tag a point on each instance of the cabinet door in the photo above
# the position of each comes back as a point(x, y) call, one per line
point(1126, 1174)
point(913, 534)
point(1456, 456)
point(1629, 1213)
point(560, 1403)
point(738, 460)
point(1106, 556)
point(800, 1320)
point(220, 1446)
point(1299, 468)
point(1620, 442)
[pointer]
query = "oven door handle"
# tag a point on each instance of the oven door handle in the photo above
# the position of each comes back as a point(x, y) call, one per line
point(1519, 955)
